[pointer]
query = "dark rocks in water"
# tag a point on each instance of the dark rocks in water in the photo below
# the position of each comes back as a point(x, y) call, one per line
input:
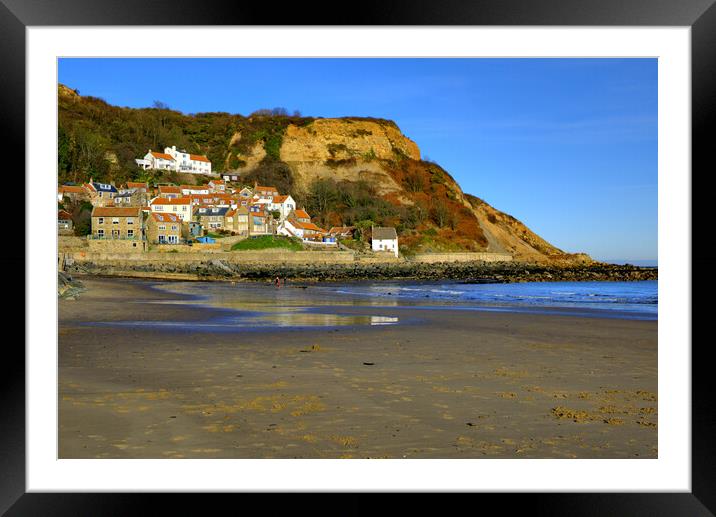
point(67, 287)
point(466, 272)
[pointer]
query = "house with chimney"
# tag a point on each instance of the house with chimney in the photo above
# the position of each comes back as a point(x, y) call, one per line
point(384, 239)
point(101, 194)
point(164, 228)
point(180, 206)
point(176, 160)
point(110, 222)
point(211, 217)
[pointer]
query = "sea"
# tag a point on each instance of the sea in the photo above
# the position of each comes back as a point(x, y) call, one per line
point(309, 304)
point(612, 299)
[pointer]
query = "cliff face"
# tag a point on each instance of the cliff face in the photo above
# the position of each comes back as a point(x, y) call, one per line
point(346, 150)
point(347, 171)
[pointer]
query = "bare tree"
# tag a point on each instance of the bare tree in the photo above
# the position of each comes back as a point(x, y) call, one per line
point(440, 213)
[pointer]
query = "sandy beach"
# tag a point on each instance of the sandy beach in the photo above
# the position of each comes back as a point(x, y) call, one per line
point(438, 384)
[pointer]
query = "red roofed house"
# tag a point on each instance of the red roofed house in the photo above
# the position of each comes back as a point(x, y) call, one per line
point(64, 223)
point(342, 231)
point(110, 222)
point(164, 228)
point(156, 160)
point(258, 220)
point(190, 190)
point(180, 206)
point(265, 192)
point(300, 215)
point(211, 200)
point(179, 161)
point(237, 220)
point(217, 186)
point(170, 191)
point(284, 205)
point(294, 228)
point(74, 193)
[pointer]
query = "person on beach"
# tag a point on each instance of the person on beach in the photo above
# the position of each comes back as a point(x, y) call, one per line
point(278, 282)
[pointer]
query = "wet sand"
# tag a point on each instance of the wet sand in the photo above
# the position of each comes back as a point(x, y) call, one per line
point(440, 384)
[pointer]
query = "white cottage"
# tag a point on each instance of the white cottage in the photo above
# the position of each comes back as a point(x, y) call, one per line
point(174, 160)
point(384, 239)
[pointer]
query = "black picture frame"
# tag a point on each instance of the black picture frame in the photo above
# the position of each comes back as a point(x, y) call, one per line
point(700, 15)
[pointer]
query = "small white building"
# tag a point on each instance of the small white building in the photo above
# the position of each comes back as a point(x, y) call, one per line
point(174, 160)
point(191, 190)
point(294, 228)
point(384, 239)
point(284, 205)
point(180, 206)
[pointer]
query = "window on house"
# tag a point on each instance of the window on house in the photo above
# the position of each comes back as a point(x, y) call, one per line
point(162, 227)
point(115, 220)
point(130, 233)
point(100, 220)
point(130, 220)
point(100, 233)
point(174, 227)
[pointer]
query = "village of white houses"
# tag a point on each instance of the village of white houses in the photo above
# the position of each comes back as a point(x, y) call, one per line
point(217, 212)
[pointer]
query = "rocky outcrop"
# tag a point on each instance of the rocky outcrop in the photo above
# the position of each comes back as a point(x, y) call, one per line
point(67, 287)
point(483, 272)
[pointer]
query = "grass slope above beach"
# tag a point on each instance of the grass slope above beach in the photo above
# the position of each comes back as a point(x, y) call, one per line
point(267, 242)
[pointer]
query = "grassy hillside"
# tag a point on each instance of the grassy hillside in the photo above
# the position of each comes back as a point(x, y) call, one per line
point(345, 172)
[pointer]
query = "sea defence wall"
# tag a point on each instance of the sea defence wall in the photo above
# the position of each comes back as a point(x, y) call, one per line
point(177, 255)
point(235, 257)
point(432, 258)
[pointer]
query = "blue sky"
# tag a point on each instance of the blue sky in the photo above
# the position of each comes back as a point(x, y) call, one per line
point(568, 146)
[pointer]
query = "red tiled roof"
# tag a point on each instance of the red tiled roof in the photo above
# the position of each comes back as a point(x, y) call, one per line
point(302, 214)
point(279, 199)
point(162, 155)
point(135, 184)
point(198, 158)
point(173, 201)
point(217, 182)
point(73, 189)
point(266, 189)
point(341, 229)
point(169, 189)
point(307, 226)
point(114, 211)
point(166, 218)
point(64, 214)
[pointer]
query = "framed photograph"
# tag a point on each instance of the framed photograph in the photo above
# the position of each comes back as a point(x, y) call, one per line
point(272, 273)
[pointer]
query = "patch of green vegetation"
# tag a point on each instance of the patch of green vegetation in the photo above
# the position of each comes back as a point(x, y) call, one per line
point(399, 154)
point(272, 145)
point(93, 134)
point(369, 156)
point(267, 242)
point(214, 235)
point(348, 202)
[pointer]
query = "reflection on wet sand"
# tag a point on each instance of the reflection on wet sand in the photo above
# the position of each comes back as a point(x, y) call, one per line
point(262, 307)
